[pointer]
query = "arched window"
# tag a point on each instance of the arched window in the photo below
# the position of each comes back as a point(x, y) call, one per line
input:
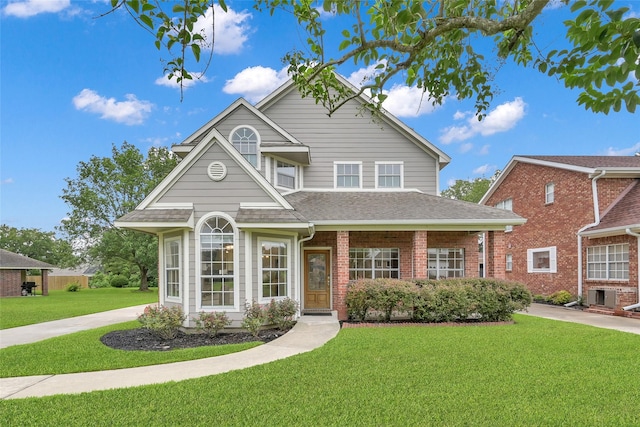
point(246, 141)
point(217, 286)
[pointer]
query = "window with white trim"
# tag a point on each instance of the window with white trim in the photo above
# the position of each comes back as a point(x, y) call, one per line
point(549, 193)
point(509, 262)
point(444, 263)
point(347, 174)
point(285, 175)
point(506, 205)
point(389, 175)
point(374, 263)
point(217, 263)
point(274, 269)
point(246, 140)
point(542, 260)
point(172, 263)
point(609, 262)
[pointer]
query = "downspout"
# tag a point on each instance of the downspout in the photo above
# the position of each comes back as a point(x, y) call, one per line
point(637, 304)
point(596, 215)
point(312, 233)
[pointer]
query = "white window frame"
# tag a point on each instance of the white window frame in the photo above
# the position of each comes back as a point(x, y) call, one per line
point(553, 261)
point(549, 193)
point(508, 262)
point(615, 250)
point(400, 174)
point(258, 140)
point(168, 267)
point(335, 174)
point(262, 270)
point(236, 254)
point(435, 265)
point(507, 205)
point(275, 174)
point(381, 263)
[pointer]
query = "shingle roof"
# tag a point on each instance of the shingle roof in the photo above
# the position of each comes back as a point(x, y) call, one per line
point(592, 161)
point(13, 261)
point(157, 215)
point(392, 207)
point(254, 216)
point(625, 212)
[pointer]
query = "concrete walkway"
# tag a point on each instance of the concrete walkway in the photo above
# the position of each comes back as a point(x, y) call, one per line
point(624, 324)
point(310, 332)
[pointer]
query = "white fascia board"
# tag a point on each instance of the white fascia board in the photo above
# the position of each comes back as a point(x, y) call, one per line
point(186, 205)
point(617, 172)
point(260, 205)
point(254, 226)
point(458, 224)
point(606, 232)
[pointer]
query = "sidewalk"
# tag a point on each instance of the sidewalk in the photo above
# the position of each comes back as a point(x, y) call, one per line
point(565, 314)
point(310, 332)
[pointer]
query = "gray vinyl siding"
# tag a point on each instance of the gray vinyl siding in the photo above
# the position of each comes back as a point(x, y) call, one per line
point(255, 269)
point(243, 117)
point(351, 135)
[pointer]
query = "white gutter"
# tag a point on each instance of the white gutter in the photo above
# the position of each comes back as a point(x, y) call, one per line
point(596, 215)
point(637, 304)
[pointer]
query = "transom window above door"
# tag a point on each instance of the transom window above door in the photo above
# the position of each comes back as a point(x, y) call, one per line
point(246, 140)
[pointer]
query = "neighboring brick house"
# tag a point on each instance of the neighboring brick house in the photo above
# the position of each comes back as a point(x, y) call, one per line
point(281, 200)
point(583, 226)
point(13, 273)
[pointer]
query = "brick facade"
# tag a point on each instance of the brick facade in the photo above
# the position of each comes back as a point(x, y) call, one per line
point(556, 225)
point(10, 282)
point(412, 246)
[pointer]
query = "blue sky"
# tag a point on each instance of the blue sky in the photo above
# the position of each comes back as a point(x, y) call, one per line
point(72, 85)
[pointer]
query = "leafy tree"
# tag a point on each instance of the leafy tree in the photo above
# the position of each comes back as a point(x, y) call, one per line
point(437, 45)
point(470, 190)
point(37, 244)
point(107, 188)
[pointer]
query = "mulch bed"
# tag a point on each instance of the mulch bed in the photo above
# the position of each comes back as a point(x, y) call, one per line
point(142, 339)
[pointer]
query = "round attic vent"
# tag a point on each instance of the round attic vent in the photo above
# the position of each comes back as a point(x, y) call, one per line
point(217, 171)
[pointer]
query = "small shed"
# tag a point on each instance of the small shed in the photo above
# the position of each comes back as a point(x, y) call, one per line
point(13, 273)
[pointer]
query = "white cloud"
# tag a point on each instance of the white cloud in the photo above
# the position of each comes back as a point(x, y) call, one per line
point(254, 83)
point(365, 75)
point(501, 119)
point(7, 181)
point(231, 29)
point(186, 84)
point(467, 146)
point(484, 169)
point(630, 151)
point(29, 8)
point(484, 150)
point(405, 101)
point(132, 111)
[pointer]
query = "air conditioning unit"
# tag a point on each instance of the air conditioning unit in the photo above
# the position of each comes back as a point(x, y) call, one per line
point(605, 297)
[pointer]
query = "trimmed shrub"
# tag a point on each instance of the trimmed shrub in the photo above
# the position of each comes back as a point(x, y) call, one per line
point(560, 298)
point(281, 313)
point(447, 300)
point(254, 317)
point(162, 321)
point(118, 281)
point(73, 287)
point(99, 280)
point(212, 323)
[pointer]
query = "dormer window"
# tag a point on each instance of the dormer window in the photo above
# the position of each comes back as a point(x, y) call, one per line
point(285, 175)
point(246, 140)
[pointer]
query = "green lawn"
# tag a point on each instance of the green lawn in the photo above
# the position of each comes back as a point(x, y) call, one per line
point(20, 311)
point(83, 352)
point(535, 372)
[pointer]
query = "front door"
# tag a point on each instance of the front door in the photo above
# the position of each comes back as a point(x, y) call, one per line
point(317, 279)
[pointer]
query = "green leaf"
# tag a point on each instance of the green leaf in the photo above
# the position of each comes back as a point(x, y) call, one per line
point(195, 48)
point(135, 5)
point(223, 5)
point(147, 21)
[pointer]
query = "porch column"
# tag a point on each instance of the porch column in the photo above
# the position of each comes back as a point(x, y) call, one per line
point(495, 255)
point(45, 282)
point(420, 254)
point(341, 275)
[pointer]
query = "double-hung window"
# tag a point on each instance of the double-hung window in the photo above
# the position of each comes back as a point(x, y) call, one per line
point(506, 205)
point(389, 175)
point(549, 193)
point(373, 263)
point(274, 269)
point(509, 262)
point(285, 175)
point(172, 268)
point(347, 174)
point(542, 260)
point(445, 263)
point(610, 262)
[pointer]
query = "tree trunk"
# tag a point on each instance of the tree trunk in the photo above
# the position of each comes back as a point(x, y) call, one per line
point(144, 284)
